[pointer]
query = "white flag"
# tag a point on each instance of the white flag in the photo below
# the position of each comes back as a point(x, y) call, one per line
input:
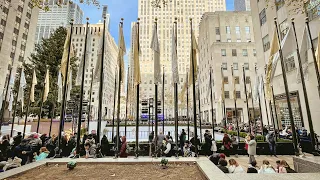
point(136, 54)
point(46, 86)
point(23, 84)
point(256, 89)
point(11, 84)
point(69, 88)
point(305, 46)
point(10, 102)
point(59, 87)
point(85, 55)
point(156, 58)
point(174, 60)
point(33, 84)
point(97, 68)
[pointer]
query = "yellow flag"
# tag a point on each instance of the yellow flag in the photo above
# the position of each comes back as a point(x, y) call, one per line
point(122, 51)
point(136, 53)
point(46, 86)
point(33, 84)
point(193, 59)
point(318, 52)
point(274, 49)
point(64, 59)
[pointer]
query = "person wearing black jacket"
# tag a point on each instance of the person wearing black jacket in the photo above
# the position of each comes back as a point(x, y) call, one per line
point(23, 151)
point(222, 165)
point(4, 149)
point(207, 143)
point(252, 168)
point(105, 146)
point(17, 139)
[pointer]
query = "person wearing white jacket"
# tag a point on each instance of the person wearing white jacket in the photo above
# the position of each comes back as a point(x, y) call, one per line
point(235, 167)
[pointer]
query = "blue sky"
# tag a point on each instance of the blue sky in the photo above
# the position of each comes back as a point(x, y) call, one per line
point(127, 9)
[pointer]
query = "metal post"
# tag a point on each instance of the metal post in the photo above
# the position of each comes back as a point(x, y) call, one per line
point(284, 75)
point(15, 104)
point(200, 112)
point(261, 120)
point(81, 90)
point(188, 108)
point(90, 97)
point(41, 104)
point(253, 112)
point(275, 110)
point(313, 55)
point(137, 110)
point(194, 94)
point(163, 76)
point(64, 97)
point(53, 108)
point(6, 95)
point(27, 111)
point(245, 92)
point(127, 98)
point(265, 99)
point(312, 135)
point(114, 105)
point(211, 98)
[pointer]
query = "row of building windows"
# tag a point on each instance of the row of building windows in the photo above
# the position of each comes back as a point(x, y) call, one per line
point(237, 30)
point(234, 52)
point(236, 80)
point(238, 95)
point(235, 66)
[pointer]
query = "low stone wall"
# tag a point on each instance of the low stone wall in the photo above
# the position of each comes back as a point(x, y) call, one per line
point(307, 164)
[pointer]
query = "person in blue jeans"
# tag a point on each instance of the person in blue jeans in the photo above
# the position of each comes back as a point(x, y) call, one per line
point(270, 138)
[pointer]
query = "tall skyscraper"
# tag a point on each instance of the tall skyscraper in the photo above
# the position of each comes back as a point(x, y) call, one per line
point(106, 14)
point(242, 5)
point(17, 29)
point(183, 10)
point(58, 15)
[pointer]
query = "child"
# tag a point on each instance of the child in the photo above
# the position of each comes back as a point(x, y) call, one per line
point(278, 165)
point(43, 154)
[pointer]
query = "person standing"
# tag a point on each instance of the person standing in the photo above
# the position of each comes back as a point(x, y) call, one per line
point(235, 145)
point(270, 138)
point(207, 143)
point(182, 138)
point(226, 142)
point(252, 148)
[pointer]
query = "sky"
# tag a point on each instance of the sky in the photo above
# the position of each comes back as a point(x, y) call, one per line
point(127, 9)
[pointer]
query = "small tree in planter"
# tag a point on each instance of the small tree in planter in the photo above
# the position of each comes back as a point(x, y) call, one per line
point(164, 163)
point(71, 165)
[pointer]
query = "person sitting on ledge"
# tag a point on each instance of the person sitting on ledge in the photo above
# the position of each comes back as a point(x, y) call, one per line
point(43, 154)
point(167, 152)
point(252, 168)
point(222, 165)
point(235, 167)
point(124, 150)
point(266, 168)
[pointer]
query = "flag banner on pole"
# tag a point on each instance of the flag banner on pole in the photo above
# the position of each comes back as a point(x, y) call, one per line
point(122, 52)
point(156, 55)
point(174, 56)
point(1, 99)
point(183, 91)
point(222, 86)
point(59, 87)
point(136, 53)
point(234, 87)
point(33, 84)
point(275, 47)
point(11, 84)
point(261, 84)
point(10, 102)
point(23, 84)
point(46, 86)
point(193, 59)
point(256, 89)
point(69, 84)
point(85, 55)
point(304, 48)
point(318, 52)
point(64, 59)
point(97, 68)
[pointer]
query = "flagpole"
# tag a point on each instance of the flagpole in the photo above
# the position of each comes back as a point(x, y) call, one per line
point(163, 76)
point(50, 128)
point(5, 98)
point(223, 98)
point(81, 89)
point(284, 75)
point(194, 95)
point(235, 104)
point(119, 91)
point(176, 113)
point(15, 103)
point(270, 106)
point(156, 96)
point(199, 112)
point(261, 120)
point(127, 97)
point(188, 107)
point(41, 103)
point(275, 110)
point(253, 112)
point(114, 104)
point(245, 92)
point(265, 99)
point(137, 110)
point(211, 98)
point(305, 95)
point(313, 54)
point(28, 105)
point(90, 97)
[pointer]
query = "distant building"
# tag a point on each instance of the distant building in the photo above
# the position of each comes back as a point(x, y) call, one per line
point(106, 14)
point(242, 5)
point(58, 15)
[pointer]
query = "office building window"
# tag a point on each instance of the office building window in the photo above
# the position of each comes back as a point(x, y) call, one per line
point(244, 52)
point(224, 66)
point(234, 52)
point(263, 17)
point(237, 30)
point(254, 52)
point(247, 29)
point(223, 52)
point(225, 80)
point(235, 66)
point(217, 30)
point(228, 40)
point(226, 95)
point(266, 43)
point(284, 27)
point(248, 80)
point(289, 63)
point(279, 4)
point(238, 94)
point(246, 66)
point(228, 30)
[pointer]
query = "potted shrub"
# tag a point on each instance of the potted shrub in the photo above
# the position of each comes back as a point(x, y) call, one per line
point(71, 165)
point(164, 163)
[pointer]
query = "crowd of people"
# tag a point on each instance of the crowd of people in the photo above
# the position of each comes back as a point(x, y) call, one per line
point(232, 166)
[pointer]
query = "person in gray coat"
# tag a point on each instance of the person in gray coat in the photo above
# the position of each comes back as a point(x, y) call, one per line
point(252, 148)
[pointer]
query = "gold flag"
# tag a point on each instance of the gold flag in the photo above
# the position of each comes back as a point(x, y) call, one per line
point(33, 84)
point(193, 59)
point(274, 49)
point(64, 59)
point(136, 53)
point(122, 51)
point(46, 86)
